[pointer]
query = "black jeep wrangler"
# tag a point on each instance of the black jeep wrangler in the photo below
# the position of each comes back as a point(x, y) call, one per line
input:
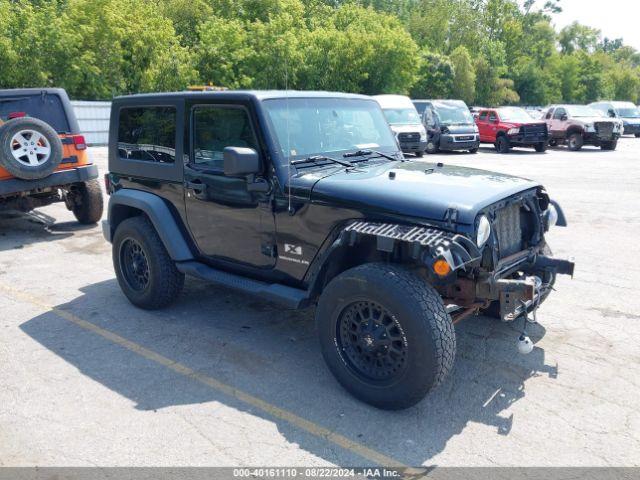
point(304, 198)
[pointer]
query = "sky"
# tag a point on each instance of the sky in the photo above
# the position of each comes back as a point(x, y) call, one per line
point(615, 18)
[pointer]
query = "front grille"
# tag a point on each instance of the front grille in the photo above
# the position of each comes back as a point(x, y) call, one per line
point(604, 129)
point(534, 130)
point(509, 230)
point(409, 136)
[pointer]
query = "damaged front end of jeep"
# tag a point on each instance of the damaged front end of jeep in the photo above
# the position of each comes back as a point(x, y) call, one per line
point(504, 265)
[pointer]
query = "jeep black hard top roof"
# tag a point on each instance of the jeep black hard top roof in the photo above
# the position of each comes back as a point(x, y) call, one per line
point(244, 94)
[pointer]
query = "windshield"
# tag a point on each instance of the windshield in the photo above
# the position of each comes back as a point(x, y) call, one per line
point(402, 116)
point(453, 113)
point(326, 126)
point(583, 111)
point(629, 112)
point(514, 114)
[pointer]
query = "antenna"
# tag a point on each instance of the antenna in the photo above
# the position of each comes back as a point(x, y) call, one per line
point(286, 93)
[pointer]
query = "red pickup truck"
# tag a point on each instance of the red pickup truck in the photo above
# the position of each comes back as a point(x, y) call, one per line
point(508, 127)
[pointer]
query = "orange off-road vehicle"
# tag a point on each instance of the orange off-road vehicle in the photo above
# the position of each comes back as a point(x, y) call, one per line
point(43, 156)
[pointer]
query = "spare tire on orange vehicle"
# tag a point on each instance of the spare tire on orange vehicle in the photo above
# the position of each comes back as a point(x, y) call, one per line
point(29, 148)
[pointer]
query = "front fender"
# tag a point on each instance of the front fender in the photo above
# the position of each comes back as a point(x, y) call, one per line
point(562, 220)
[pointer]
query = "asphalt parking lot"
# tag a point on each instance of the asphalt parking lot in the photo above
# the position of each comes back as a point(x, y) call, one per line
point(220, 378)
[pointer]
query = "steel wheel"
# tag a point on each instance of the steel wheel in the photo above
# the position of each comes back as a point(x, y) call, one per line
point(30, 148)
point(135, 265)
point(371, 341)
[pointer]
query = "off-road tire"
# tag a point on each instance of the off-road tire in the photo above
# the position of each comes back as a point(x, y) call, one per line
point(541, 147)
point(90, 205)
point(493, 310)
point(575, 142)
point(22, 170)
point(553, 142)
point(419, 154)
point(165, 281)
point(432, 147)
point(502, 144)
point(429, 336)
point(637, 135)
point(473, 151)
point(609, 146)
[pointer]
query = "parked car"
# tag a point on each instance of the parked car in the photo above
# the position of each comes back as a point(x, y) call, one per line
point(625, 111)
point(578, 125)
point(43, 155)
point(508, 127)
point(450, 125)
point(305, 198)
point(405, 123)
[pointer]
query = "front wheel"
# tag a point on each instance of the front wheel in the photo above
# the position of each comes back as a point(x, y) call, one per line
point(432, 147)
point(146, 274)
point(502, 144)
point(385, 335)
point(612, 145)
point(541, 147)
point(637, 135)
point(419, 154)
point(473, 150)
point(575, 142)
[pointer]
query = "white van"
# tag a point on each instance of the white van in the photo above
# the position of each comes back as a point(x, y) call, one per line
point(405, 122)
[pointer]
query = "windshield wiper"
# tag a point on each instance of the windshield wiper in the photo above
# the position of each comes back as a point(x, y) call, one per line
point(368, 153)
point(321, 158)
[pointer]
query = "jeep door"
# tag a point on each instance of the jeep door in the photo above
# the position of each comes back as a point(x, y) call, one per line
point(228, 221)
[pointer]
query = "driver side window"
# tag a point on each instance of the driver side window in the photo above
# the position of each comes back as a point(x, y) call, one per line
point(215, 128)
point(559, 113)
point(429, 118)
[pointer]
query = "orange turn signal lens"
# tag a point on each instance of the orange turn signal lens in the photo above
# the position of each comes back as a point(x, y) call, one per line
point(441, 268)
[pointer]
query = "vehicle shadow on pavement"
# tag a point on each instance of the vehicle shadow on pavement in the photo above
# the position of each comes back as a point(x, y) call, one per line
point(18, 229)
point(273, 354)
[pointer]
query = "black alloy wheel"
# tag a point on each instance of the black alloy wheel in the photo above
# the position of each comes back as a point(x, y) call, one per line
point(371, 341)
point(135, 265)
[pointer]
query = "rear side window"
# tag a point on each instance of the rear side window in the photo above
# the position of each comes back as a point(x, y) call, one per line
point(43, 106)
point(147, 134)
point(493, 117)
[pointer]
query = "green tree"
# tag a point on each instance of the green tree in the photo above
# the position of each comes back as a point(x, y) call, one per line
point(435, 76)
point(464, 77)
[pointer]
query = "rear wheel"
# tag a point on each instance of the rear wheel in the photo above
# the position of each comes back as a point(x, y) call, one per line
point(502, 144)
point(146, 274)
point(541, 147)
point(87, 202)
point(385, 335)
point(575, 142)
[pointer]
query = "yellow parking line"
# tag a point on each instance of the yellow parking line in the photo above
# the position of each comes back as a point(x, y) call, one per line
point(277, 412)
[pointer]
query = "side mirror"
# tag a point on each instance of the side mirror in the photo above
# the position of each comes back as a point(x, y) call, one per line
point(564, 117)
point(240, 161)
point(612, 113)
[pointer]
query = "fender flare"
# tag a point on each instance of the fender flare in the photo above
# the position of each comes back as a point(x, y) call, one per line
point(157, 210)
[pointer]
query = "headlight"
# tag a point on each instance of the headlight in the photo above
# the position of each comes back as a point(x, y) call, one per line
point(476, 130)
point(423, 135)
point(484, 230)
point(513, 131)
point(551, 216)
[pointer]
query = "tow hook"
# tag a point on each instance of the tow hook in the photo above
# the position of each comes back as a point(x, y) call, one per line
point(524, 343)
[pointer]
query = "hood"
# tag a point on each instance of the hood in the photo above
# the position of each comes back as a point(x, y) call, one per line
point(456, 129)
point(596, 119)
point(631, 120)
point(418, 189)
point(417, 128)
point(521, 124)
